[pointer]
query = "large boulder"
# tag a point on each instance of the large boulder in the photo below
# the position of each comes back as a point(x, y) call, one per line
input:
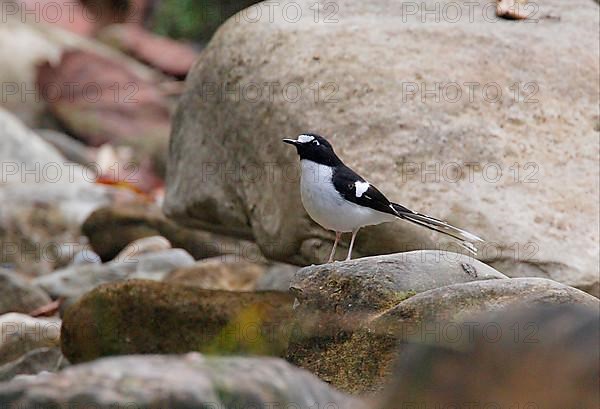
point(536, 357)
point(177, 382)
point(506, 167)
point(145, 317)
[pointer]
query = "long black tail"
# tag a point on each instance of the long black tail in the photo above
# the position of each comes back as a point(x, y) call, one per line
point(465, 238)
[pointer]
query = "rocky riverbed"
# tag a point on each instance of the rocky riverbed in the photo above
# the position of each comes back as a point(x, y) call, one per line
point(155, 252)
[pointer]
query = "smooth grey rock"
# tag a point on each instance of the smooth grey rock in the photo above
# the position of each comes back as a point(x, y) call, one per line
point(74, 281)
point(71, 148)
point(455, 303)
point(182, 382)
point(20, 333)
point(143, 246)
point(157, 265)
point(277, 278)
point(18, 295)
point(228, 169)
point(372, 283)
point(21, 145)
point(86, 256)
point(32, 363)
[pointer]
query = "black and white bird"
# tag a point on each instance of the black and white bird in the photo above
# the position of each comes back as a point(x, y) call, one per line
point(340, 200)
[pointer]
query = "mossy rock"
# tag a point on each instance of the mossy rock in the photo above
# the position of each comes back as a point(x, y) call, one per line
point(455, 303)
point(355, 363)
point(145, 317)
point(337, 302)
point(354, 318)
point(343, 295)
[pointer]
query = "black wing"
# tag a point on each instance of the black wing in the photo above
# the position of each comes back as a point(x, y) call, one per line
point(344, 180)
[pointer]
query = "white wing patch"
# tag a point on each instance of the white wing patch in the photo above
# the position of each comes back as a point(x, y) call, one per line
point(361, 188)
point(305, 138)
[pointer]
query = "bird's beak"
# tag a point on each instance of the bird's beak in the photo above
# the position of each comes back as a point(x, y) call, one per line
point(291, 141)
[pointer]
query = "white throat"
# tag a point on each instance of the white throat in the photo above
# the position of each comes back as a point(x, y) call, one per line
point(313, 172)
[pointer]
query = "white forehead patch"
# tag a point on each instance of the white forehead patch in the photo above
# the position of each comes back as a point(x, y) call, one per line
point(361, 188)
point(305, 138)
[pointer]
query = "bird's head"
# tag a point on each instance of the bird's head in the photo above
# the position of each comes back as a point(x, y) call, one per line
point(315, 148)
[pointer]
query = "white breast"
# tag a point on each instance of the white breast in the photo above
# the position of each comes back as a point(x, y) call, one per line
point(325, 205)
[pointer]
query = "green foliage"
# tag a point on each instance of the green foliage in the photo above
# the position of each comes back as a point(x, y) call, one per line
point(194, 20)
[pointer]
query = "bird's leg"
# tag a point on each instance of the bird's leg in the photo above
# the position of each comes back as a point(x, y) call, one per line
point(352, 244)
point(338, 235)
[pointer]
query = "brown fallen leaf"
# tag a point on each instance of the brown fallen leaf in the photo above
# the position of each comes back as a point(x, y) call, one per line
point(47, 310)
point(511, 10)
